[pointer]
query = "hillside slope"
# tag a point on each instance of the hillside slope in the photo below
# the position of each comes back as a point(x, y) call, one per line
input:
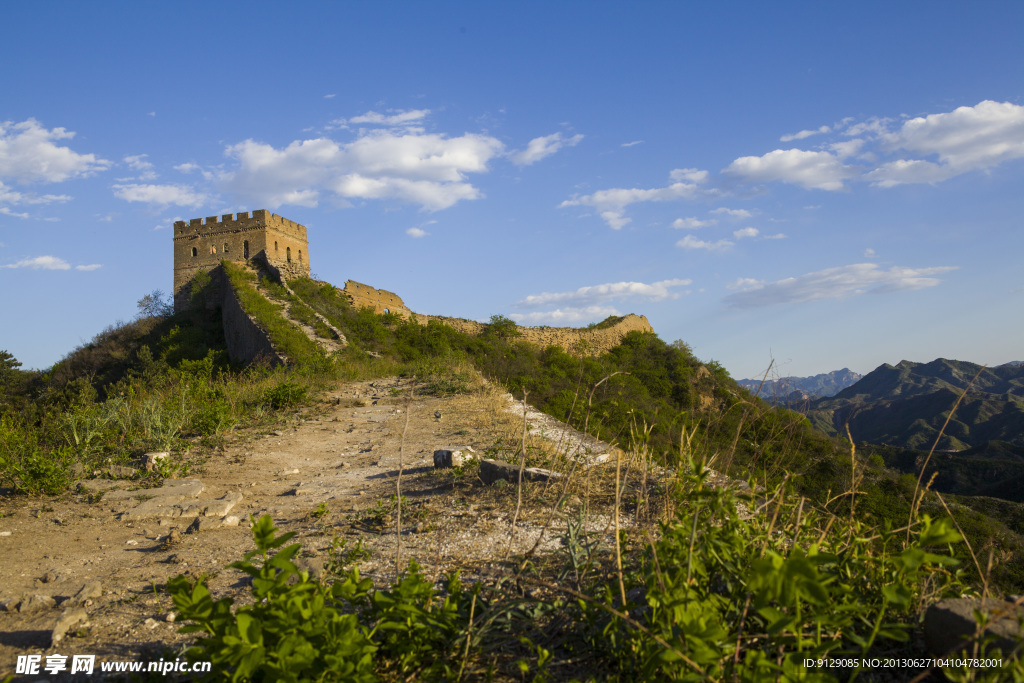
point(907, 404)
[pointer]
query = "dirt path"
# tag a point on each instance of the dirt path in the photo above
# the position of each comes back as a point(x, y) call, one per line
point(343, 453)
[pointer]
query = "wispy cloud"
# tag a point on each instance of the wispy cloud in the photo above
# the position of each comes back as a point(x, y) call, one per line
point(805, 134)
point(137, 162)
point(416, 232)
point(691, 242)
point(746, 232)
point(393, 117)
point(162, 195)
point(631, 144)
point(833, 283)
point(566, 316)
point(692, 223)
point(598, 294)
point(41, 263)
point(611, 204)
point(734, 213)
point(543, 147)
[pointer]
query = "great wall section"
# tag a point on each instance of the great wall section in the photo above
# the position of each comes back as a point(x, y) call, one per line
point(265, 241)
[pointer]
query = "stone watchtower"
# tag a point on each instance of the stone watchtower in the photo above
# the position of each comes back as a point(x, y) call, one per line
point(201, 245)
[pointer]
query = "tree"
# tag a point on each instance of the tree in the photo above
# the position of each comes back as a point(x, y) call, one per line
point(503, 328)
point(156, 304)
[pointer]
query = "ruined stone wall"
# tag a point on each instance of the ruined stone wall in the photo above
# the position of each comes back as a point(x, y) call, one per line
point(245, 340)
point(380, 300)
point(596, 341)
point(201, 245)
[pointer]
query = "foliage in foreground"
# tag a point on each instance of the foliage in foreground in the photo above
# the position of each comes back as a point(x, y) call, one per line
point(719, 595)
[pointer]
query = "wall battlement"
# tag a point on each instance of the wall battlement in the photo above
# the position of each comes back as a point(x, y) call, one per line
point(258, 220)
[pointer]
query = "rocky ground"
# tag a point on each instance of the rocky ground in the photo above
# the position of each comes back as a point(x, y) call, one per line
point(83, 573)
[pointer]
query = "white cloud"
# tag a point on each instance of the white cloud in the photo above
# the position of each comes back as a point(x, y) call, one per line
point(395, 117)
point(138, 163)
point(611, 203)
point(29, 153)
point(776, 236)
point(869, 253)
point(805, 134)
point(91, 266)
point(905, 171)
point(168, 222)
point(540, 148)
point(835, 283)
point(41, 263)
point(417, 232)
point(599, 294)
point(429, 170)
point(746, 232)
point(630, 144)
point(10, 196)
point(13, 214)
point(965, 139)
point(187, 167)
point(329, 96)
point(874, 127)
point(745, 283)
point(735, 213)
point(811, 170)
point(691, 223)
point(565, 316)
point(694, 175)
point(847, 148)
point(691, 242)
point(163, 195)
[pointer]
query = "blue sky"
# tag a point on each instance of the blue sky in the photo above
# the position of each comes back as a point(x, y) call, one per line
point(827, 185)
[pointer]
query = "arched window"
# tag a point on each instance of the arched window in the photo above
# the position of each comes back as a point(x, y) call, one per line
point(288, 251)
point(225, 247)
point(195, 252)
point(245, 249)
point(300, 256)
point(275, 245)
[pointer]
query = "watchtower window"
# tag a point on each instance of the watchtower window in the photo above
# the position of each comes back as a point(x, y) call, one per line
point(275, 246)
point(245, 249)
point(195, 252)
point(213, 248)
point(225, 247)
point(300, 256)
point(288, 251)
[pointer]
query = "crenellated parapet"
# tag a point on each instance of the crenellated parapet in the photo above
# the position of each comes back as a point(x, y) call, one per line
point(260, 219)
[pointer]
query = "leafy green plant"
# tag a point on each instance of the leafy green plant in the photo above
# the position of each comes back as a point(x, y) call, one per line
point(295, 630)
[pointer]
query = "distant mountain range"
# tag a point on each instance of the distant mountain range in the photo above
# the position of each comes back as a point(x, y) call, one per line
point(906, 405)
point(897, 411)
point(795, 390)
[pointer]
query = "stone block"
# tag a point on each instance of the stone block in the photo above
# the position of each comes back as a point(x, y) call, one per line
point(950, 623)
point(493, 470)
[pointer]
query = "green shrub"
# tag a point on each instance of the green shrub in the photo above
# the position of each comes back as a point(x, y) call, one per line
point(285, 395)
